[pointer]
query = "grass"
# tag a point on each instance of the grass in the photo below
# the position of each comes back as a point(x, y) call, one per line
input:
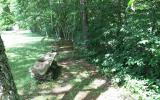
point(22, 58)
point(78, 79)
point(22, 51)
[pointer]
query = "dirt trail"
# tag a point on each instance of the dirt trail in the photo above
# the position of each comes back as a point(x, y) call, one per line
point(80, 81)
point(91, 85)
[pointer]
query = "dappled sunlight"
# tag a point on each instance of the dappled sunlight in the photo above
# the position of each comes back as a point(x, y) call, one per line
point(22, 51)
point(62, 89)
point(78, 80)
point(60, 96)
point(12, 55)
point(43, 97)
point(16, 32)
point(74, 73)
point(102, 47)
point(96, 83)
point(85, 83)
point(18, 40)
point(81, 95)
point(115, 94)
point(84, 74)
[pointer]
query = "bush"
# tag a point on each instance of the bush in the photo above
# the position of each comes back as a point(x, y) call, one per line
point(136, 56)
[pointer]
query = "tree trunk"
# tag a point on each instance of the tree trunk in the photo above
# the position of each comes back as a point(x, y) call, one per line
point(8, 89)
point(84, 18)
point(119, 17)
point(153, 17)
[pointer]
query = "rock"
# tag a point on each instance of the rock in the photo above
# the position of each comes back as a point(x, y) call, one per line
point(45, 67)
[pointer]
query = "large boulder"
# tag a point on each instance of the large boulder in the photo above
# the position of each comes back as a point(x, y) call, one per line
point(45, 67)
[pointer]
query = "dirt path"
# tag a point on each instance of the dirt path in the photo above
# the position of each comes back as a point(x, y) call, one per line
point(80, 81)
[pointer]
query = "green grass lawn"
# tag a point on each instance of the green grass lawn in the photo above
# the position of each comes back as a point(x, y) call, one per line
point(22, 58)
point(22, 51)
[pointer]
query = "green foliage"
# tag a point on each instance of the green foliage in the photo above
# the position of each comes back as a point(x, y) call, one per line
point(123, 37)
point(56, 18)
point(127, 44)
point(6, 16)
point(131, 2)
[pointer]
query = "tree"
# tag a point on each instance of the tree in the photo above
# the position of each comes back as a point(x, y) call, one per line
point(6, 16)
point(8, 89)
point(84, 17)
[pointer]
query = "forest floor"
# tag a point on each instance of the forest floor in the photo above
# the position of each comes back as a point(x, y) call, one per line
point(79, 80)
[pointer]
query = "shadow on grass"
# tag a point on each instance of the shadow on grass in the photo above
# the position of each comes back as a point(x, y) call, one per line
point(84, 90)
point(87, 84)
point(78, 78)
point(75, 83)
point(21, 59)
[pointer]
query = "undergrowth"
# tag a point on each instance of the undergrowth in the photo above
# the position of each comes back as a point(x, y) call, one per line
point(126, 71)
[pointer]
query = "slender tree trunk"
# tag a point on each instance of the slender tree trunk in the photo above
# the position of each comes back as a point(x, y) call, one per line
point(61, 25)
point(119, 17)
point(8, 89)
point(84, 18)
point(153, 18)
point(51, 17)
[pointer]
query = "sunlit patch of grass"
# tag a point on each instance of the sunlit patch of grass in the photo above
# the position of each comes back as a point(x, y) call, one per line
point(78, 86)
point(44, 97)
point(22, 51)
point(26, 57)
point(12, 39)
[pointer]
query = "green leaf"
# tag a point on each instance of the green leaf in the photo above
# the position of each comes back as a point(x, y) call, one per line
point(130, 2)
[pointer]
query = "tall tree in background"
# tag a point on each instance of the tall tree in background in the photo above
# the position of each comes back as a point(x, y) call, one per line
point(6, 16)
point(119, 16)
point(153, 16)
point(8, 89)
point(84, 17)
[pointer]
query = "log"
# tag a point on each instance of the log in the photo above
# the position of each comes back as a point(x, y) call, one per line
point(44, 66)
